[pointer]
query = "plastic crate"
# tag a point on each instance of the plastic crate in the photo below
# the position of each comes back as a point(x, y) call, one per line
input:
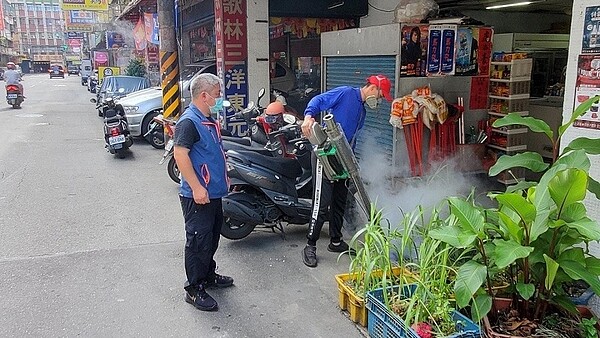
point(508, 89)
point(355, 305)
point(505, 106)
point(584, 298)
point(383, 323)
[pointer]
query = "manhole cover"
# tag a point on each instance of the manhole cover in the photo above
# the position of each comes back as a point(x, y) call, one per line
point(29, 115)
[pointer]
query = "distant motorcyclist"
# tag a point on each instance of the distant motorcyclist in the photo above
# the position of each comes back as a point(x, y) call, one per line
point(12, 77)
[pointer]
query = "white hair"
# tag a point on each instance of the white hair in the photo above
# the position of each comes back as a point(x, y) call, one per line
point(204, 83)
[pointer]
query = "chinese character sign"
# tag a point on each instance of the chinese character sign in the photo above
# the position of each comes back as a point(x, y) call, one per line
point(232, 53)
point(88, 5)
point(151, 27)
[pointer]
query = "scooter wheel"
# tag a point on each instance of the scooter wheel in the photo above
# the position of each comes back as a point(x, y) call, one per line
point(173, 170)
point(234, 229)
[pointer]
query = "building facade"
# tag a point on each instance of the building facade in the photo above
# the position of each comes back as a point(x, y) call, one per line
point(41, 34)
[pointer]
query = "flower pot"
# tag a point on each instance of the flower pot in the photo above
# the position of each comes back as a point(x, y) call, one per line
point(383, 322)
point(353, 303)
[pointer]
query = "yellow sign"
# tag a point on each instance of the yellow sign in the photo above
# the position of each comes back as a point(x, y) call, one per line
point(88, 5)
point(107, 71)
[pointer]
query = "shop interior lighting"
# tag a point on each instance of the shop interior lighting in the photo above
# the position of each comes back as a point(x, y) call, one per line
point(514, 4)
point(335, 4)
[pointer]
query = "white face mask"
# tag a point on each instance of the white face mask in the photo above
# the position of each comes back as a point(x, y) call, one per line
point(372, 101)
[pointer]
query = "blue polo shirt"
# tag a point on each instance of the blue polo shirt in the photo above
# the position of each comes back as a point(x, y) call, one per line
point(347, 108)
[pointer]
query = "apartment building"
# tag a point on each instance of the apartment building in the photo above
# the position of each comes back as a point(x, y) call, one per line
point(41, 30)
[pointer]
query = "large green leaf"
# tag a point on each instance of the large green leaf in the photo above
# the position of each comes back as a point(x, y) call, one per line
point(542, 200)
point(573, 212)
point(592, 264)
point(551, 269)
point(469, 278)
point(594, 187)
point(507, 252)
point(530, 160)
point(454, 235)
point(469, 216)
point(519, 204)
point(591, 146)
point(587, 228)
point(585, 106)
point(568, 187)
point(481, 307)
point(526, 290)
point(514, 230)
point(540, 224)
point(572, 254)
point(574, 159)
point(521, 185)
point(538, 126)
point(577, 271)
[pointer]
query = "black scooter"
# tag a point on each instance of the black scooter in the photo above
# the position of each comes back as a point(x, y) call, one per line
point(117, 137)
point(268, 190)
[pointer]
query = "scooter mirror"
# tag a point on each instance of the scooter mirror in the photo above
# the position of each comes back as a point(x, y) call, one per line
point(93, 100)
point(226, 104)
point(289, 119)
point(261, 93)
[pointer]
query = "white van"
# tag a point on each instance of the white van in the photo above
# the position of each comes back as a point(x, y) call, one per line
point(86, 71)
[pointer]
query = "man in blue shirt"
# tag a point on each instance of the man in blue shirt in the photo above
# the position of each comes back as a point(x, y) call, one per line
point(347, 106)
point(201, 161)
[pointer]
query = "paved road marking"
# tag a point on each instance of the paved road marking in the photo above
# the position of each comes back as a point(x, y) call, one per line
point(29, 115)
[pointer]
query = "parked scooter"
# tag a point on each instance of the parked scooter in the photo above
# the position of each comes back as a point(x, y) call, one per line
point(116, 130)
point(266, 190)
point(14, 96)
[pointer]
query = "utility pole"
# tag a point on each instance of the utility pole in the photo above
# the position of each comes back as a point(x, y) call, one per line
point(169, 60)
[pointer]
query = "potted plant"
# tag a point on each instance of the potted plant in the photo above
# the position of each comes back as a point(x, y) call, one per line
point(537, 235)
point(371, 266)
point(425, 307)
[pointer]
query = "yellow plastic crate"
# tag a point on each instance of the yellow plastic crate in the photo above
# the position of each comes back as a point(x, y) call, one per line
point(354, 304)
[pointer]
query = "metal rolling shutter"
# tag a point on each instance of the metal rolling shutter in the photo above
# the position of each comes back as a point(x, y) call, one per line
point(353, 71)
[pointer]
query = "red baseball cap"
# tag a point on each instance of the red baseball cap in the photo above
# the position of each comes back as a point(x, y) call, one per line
point(383, 83)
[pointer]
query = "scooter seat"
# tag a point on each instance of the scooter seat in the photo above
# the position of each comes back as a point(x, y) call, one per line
point(260, 149)
point(285, 166)
point(238, 140)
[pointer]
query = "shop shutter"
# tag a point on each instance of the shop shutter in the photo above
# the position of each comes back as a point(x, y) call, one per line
point(353, 71)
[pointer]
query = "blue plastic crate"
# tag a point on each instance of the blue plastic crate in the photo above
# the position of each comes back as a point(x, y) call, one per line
point(383, 323)
point(584, 298)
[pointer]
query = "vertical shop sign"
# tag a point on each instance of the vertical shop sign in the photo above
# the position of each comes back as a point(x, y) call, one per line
point(100, 59)
point(435, 45)
point(448, 49)
point(588, 85)
point(232, 53)
point(484, 49)
point(478, 97)
point(591, 30)
point(466, 52)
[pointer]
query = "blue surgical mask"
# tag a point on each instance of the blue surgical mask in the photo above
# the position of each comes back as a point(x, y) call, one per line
point(216, 109)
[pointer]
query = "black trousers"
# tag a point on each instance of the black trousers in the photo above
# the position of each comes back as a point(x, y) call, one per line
point(202, 231)
point(333, 200)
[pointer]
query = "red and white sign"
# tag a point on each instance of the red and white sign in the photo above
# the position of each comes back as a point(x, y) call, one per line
point(74, 42)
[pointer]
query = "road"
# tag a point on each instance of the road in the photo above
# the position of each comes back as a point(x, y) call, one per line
point(91, 245)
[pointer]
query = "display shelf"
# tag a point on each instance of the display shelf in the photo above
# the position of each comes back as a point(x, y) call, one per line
point(522, 113)
point(510, 97)
point(521, 147)
point(510, 131)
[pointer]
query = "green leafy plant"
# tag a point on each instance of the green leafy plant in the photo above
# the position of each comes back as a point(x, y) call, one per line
point(588, 328)
point(539, 232)
point(430, 301)
point(136, 67)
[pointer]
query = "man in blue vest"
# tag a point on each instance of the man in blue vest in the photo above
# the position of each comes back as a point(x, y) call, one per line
point(201, 161)
point(347, 106)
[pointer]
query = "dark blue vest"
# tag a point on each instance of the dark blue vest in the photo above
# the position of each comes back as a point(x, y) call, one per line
point(207, 156)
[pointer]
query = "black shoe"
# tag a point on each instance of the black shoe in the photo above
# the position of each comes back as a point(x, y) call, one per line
point(309, 255)
point(219, 281)
point(201, 300)
point(340, 247)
